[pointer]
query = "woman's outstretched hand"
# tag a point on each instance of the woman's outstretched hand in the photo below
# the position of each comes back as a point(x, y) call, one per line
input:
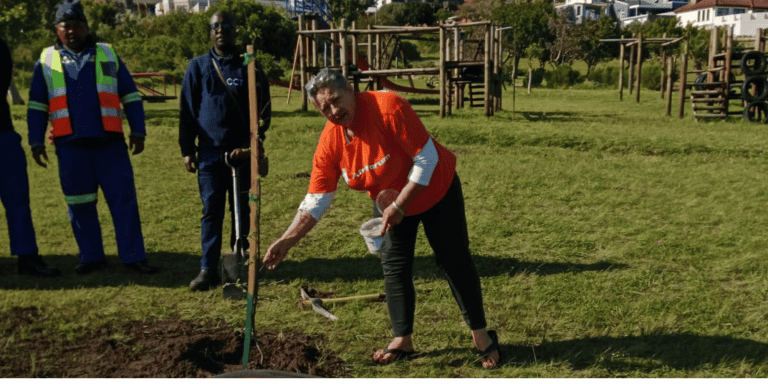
point(276, 253)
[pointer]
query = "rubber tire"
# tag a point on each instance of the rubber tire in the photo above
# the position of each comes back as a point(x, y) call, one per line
point(761, 91)
point(761, 106)
point(757, 68)
point(702, 78)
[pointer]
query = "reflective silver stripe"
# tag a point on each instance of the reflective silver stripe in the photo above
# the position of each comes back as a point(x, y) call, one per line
point(60, 114)
point(107, 88)
point(80, 199)
point(37, 106)
point(56, 92)
point(110, 112)
point(131, 97)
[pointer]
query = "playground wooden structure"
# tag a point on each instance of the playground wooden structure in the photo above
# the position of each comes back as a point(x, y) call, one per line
point(711, 93)
point(151, 94)
point(373, 64)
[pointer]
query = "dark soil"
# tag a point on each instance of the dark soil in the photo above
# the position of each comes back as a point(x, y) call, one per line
point(158, 349)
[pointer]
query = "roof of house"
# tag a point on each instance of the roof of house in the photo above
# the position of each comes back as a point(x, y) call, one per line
point(703, 4)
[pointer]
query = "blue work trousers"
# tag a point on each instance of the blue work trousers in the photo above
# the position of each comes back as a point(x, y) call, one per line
point(83, 169)
point(14, 193)
point(215, 181)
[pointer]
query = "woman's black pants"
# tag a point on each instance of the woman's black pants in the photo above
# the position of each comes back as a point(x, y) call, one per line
point(445, 226)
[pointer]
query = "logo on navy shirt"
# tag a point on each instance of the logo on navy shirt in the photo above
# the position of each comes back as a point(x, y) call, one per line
point(235, 82)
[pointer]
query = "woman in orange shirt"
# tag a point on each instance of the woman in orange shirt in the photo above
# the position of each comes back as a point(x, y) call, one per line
point(375, 141)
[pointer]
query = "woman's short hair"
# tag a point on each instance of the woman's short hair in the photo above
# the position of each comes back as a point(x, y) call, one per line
point(332, 79)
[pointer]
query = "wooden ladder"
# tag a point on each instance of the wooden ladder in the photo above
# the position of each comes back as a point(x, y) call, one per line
point(476, 95)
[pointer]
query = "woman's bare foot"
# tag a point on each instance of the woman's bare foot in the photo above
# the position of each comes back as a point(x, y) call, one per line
point(399, 347)
point(483, 341)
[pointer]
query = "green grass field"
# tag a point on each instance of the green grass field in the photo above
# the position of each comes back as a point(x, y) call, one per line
point(612, 241)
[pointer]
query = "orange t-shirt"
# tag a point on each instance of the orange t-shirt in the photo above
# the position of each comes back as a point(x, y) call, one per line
point(388, 134)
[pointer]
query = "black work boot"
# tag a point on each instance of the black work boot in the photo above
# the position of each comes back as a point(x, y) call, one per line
point(34, 265)
point(205, 281)
point(141, 267)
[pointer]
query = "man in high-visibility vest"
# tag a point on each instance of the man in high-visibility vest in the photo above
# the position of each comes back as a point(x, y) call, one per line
point(78, 86)
point(14, 184)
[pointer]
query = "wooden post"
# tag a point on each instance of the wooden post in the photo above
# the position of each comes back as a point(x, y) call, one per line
point(377, 61)
point(443, 76)
point(621, 72)
point(355, 47)
point(725, 76)
point(255, 199)
point(497, 69)
point(713, 47)
point(314, 43)
point(293, 70)
point(668, 84)
point(461, 89)
point(487, 72)
point(333, 47)
point(302, 65)
point(457, 71)
point(354, 44)
point(448, 75)
point(343, 42)
point(639, 65)
point(759, 41)
point(631, 75)
point(662, 81)
point(683, 77)
point(369, 48)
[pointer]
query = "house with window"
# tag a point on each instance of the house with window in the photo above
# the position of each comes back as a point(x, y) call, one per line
point(743, 16)
point(641, 11)
point(625, 11)
point(581, 10)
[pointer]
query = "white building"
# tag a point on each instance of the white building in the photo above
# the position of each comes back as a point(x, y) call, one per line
point(641, 11)
point(166, 6)
point(743, 16)
point(586, 9)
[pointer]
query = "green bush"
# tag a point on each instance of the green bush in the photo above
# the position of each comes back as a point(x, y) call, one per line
point(537, 76)
point(650, 77)
point(272, 67)
point(410, 50)
point(562, 77)
point(23, 79)
point(606, 76)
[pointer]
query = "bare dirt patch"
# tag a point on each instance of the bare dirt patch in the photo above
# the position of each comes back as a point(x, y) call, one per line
point(160, 349)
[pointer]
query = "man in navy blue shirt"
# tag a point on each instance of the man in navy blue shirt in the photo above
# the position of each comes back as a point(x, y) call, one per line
point(78, 85)
point(213, 123)
point(14, 183)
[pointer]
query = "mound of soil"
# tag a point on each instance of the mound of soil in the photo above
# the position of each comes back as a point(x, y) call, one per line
point(159, 349)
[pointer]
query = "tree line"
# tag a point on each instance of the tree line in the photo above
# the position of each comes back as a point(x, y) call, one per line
point(535, 32)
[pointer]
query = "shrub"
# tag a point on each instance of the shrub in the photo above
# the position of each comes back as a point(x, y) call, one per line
point(562, 77)
point(606, 76)
point(650, 77)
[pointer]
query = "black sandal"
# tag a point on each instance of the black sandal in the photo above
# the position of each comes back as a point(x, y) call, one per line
point(494, 347)
point(398, 353)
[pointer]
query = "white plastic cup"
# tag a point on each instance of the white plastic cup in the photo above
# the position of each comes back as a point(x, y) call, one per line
point(371, 231)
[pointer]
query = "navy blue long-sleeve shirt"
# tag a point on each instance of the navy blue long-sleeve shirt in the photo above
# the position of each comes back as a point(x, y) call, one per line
point(6, 71)
point(209, 115)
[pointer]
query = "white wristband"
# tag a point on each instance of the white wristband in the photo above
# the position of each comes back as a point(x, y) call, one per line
point(398, 208)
